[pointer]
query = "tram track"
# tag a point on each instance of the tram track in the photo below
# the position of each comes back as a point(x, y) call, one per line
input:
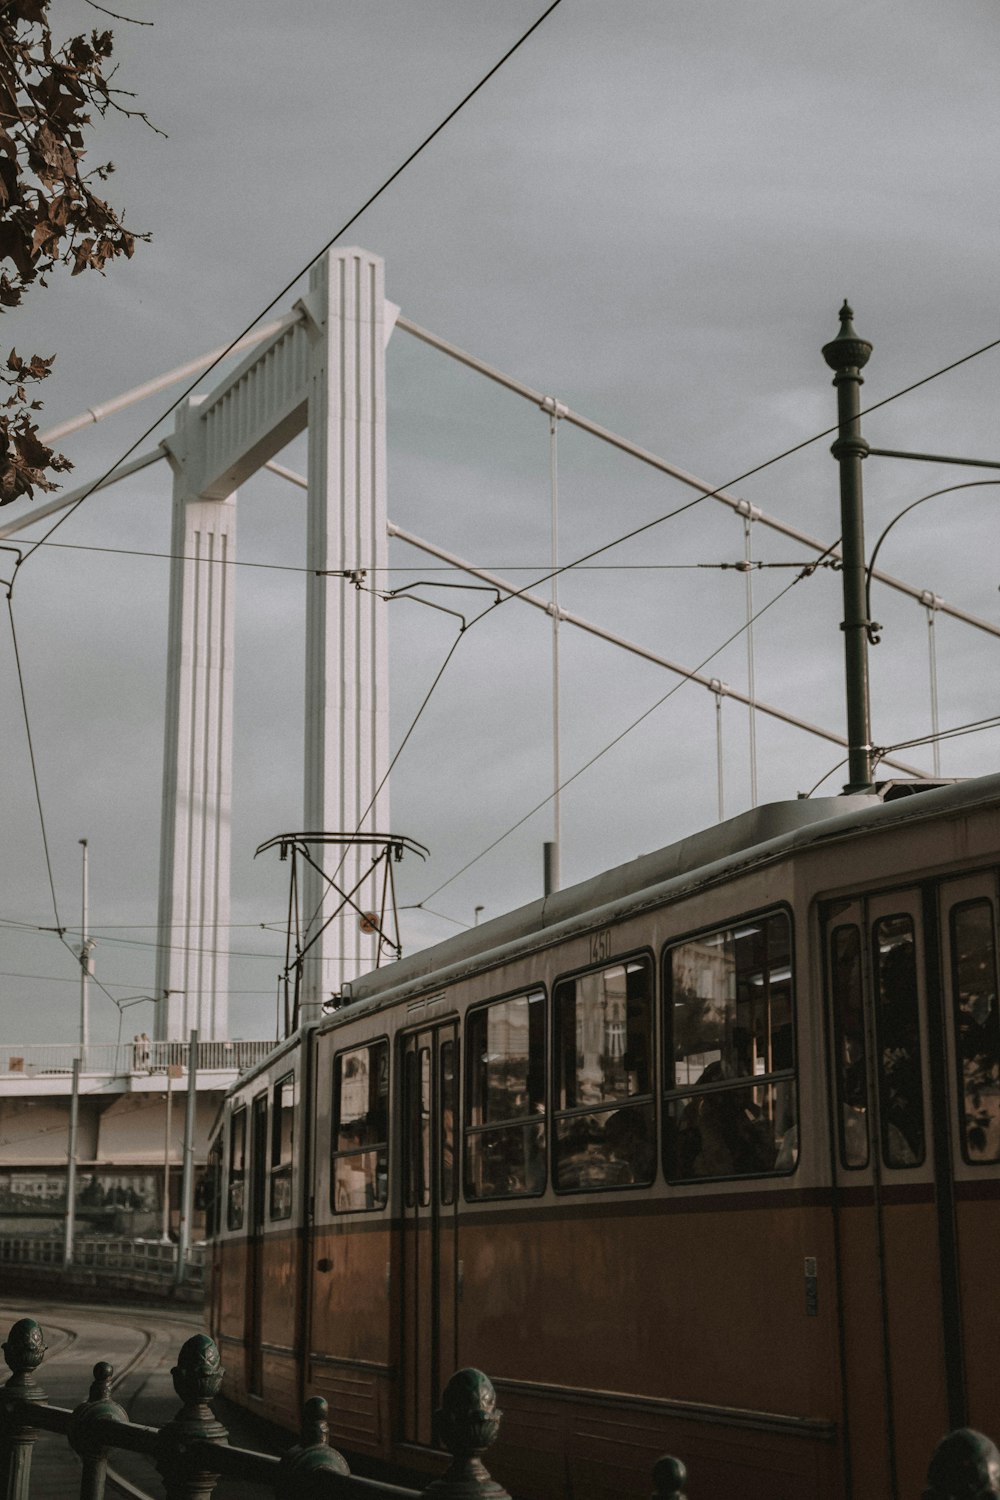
point(142, 1345)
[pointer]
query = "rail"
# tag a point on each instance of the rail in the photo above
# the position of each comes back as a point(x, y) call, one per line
point(192, 1453)
point(117, 1059)
point(146, 1257)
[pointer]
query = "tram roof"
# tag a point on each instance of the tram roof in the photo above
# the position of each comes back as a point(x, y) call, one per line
point(760, 834)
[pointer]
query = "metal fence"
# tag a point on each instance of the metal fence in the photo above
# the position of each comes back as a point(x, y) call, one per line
point(48, 1060)
point(152, 1258)
point(192, 1453)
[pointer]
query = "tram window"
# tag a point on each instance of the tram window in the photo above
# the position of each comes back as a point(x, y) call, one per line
point(731, 1103)
point(237, 1167)
point(897, 1029)
point(359, 1177)
point(977, 1027)
point(849, 1034)
point(604, 1130)
point(282, 1126)
point(505, 1099)
point(449, 1104)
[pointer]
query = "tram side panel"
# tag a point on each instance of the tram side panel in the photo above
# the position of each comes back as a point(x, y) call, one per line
point(256, 1296)
point(352, 1299)
point(969, 922)
point(693, 1297)
point(909, 935)
point(626, 1308)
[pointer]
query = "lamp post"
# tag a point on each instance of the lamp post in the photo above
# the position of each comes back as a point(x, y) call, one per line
point(847, 356)
point(86, 947)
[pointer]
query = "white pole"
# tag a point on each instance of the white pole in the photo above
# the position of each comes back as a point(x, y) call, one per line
point(71, 1152)
point(748, 520)
point(187, 1177)
point(84, 965)
point(718, 688)
point(166, 1153)
point(931, 602)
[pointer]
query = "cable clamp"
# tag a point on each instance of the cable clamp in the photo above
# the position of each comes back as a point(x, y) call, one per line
point(553, 407)
point(744, 508)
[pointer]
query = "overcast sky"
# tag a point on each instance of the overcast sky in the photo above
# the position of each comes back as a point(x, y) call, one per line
point(652, 212)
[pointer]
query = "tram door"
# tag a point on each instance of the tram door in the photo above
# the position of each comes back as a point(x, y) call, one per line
point(970, 949)
point(255, 1245)
point(430, 1270)
point(892, 1184)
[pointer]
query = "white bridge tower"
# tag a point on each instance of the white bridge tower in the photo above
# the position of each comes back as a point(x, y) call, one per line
point(326, 370)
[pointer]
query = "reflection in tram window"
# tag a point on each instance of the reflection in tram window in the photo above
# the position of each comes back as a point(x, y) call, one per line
point(897, 1028)
point(731, 1106)
point(604, 1131)
point(505, 1099)
point(237, 1167)
point(449, 1105)
point(282, 1124)
point(213, 1189)
point(974, 986)
point(359, 1177)
point(849, 1039)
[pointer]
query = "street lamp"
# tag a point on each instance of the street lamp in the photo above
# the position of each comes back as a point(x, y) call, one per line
point(847, 355)
point(86, 963)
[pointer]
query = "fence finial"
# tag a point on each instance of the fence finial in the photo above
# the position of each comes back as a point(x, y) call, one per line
point(24, 1349)
point(965, 1465)
point(669, 1479)
point(197, 1377)
point(312, 1453)
point(467, 1423)
point(97, 1408)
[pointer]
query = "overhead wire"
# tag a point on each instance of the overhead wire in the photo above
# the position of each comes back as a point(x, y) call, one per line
point(31, 757)
point(617, 739)
point(373, 197)
point(552, 574)
point(640, 530)
point(29, 553)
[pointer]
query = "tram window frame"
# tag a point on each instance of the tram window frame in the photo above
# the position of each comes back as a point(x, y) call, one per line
point(371, 1154)
point(483, 1136)
point(213, 1188)
point(853, 1111)
point(735, 1117)
point(236, 1195)
point(614, 1134)
point(282, 1154)
point(894, 1144)
point(449, 1101)
point(967, 1088)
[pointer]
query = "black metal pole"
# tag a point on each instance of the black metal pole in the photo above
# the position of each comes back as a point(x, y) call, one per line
point(847, 354)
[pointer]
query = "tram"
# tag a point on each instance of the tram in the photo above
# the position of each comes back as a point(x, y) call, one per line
point(701, 1157)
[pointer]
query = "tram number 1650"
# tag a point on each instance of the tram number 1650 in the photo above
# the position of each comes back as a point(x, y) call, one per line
point(600, 946)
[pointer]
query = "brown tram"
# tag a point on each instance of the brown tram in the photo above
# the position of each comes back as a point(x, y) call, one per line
point(701, 1156)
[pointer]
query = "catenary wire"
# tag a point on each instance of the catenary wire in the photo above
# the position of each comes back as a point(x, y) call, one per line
point(283, 292)
point(648, 526)
point(223, 562)
point(31, 756)
point(974, 727)
point(303, 269)
point(612, 743)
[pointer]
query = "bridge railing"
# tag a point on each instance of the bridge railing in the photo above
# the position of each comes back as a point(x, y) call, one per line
point(117, 1059)
point(145, 1257)
point(191, 1453)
